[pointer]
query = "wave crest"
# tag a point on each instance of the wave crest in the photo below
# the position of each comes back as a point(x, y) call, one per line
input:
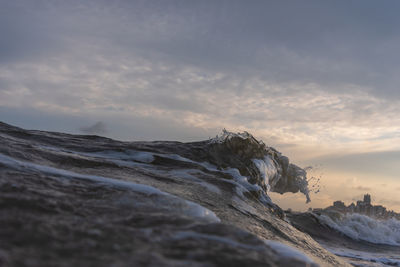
point(361, 227)
point(265, 166)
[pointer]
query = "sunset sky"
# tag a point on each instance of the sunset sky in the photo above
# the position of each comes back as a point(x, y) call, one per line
point(317, 80)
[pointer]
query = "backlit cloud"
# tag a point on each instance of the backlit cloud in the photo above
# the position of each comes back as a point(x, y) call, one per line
point(315, 79)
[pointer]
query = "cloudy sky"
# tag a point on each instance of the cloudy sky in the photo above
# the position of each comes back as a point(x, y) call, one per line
point(318, 80)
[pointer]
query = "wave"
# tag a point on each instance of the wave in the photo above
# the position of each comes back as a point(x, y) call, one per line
point(185, 206)
point(360, 240)
point(255, 168)
point(265, 166)
point(361, 227)
point(174, 200)
point(363, 259)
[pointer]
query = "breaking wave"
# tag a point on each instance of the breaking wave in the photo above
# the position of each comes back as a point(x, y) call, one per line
point(265, 166)
point(361, 227)
point(166, 197)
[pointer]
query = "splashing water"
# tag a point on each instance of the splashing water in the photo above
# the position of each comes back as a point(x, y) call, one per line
point(361, 227)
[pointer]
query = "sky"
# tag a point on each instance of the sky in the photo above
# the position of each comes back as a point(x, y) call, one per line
point(317, 80)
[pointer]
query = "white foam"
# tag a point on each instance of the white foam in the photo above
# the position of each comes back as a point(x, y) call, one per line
point(144, 157)
point(361, 227)
point(140, 159)
point(190, 208)
point(288, 253)
point(379, 258)
point(124, 159)
point(267, 170)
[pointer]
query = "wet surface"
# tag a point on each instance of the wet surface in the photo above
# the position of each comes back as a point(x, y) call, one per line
point(77, 200)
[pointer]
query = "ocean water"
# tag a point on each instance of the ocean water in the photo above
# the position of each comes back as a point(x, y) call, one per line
point(92, 201)
point(362, 258)
point(377, 242)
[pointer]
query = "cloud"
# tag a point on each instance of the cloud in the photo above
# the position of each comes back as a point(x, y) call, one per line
point(85, 83)
point(362, 188)
point(321, 79)
point(97, 128)
point(318, 80)
point(325, 43)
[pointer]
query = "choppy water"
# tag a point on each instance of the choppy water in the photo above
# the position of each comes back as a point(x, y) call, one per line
point(359, 239)
point(92, 201)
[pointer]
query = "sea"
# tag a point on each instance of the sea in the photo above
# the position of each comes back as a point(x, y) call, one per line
point(93, 201)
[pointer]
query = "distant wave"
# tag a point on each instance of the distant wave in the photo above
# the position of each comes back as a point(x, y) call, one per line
point(361, 227)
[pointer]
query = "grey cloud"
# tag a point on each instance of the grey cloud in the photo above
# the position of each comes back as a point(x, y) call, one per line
point(331, 42)
point(279, 41)
point(26, 33)
point(81, 56)
point(173, 102)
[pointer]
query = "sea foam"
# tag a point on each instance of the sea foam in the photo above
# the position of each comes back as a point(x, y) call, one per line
point(361, 227)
